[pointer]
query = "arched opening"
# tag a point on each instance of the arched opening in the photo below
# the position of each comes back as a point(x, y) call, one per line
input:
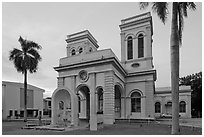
point(61, 107)
point(118, 92)
point(136, 102)
point(80, 50)
point(73, 52)
point(90, 49)
point(140, 46)
point(84, 102)
point(157, 107)
point(129, 48)
point(168, 106)
point(182, 106)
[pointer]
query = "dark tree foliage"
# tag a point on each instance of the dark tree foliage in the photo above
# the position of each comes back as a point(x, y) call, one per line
point(195, 81)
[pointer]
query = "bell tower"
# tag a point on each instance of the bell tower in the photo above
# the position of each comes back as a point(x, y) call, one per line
point(136, 43)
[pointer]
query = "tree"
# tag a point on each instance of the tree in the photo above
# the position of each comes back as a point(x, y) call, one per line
point(179, 11)
point(195, 81)
point(25, 59)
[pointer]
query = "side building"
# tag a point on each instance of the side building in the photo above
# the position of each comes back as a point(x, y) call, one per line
point(163, 102)
point(13, 100)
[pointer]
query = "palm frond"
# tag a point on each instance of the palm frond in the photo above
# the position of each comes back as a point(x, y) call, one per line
point(34, 53)
point(161, 8)
point(191, 5)
point(18, 63)
point(27, 58)
point(182, 12)
point(143, 5)
point(14, 53)
point(32, 44)
point(31, 64)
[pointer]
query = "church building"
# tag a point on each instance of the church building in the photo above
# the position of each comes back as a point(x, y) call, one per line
point(95, 85)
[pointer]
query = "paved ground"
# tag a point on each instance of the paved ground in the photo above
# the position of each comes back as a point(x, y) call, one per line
point(191, 122)
point(14, 128)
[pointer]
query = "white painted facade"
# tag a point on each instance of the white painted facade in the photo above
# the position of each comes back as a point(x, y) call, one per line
point(127, 86)
point(12, 99)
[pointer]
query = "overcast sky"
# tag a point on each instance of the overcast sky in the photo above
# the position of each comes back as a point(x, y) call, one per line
point(49, 23)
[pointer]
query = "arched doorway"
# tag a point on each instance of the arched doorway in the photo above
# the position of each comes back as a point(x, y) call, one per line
point(83, 94)
point(61, 107)
point(118, 92)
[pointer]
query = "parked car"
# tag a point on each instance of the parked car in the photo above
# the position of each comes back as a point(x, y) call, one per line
point(167, 115)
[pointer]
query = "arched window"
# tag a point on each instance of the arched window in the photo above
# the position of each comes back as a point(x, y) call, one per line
point(140, 46)
point(61, 105)
point(73, 52)
point(182, 107)
point(135, 102)
point(90, 49)
point(157, 107)
point(79, 104)
point(80, 50)
point(100, 102)
point(129, 48)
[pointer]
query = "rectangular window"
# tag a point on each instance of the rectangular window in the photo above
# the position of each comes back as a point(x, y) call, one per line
point(16, 112)
point(10, 112)
point(136, 104)
point(130, 52)
point(140, 47)
point(21, 113)
point(49, 103)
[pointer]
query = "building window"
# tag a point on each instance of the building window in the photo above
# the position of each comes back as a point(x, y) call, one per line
point(100, 101)
point(182, 107)
point(73, 52)
point(129, 48)
point(10, 113)
point(140, 46)
point(157, 107)
point(80, 50)
point(90, 49)
point(61, 105)
point(79, 104)
point(136, 102)
point(16, 113)
point(49, 103)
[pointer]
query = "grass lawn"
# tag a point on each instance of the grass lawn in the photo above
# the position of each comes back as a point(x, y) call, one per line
point(14, 128)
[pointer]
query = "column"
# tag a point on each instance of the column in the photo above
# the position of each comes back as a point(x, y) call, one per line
point(74, 104)
point(108, 98)
point(123, 103)
point(93, 115)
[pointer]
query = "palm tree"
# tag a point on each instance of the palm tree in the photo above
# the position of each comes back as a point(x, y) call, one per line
point(25, 59)
point(179, 11)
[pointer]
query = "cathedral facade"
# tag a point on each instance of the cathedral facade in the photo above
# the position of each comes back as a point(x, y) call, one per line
point(95, 85)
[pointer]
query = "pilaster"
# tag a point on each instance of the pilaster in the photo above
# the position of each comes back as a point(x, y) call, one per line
point(93, 115)
point(74, 104)
point(109, 98)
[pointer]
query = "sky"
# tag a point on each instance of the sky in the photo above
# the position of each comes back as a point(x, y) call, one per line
point(48, 24)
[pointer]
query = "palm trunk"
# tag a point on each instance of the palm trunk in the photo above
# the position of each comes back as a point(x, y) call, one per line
point(174, 46)
point(25, 96)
